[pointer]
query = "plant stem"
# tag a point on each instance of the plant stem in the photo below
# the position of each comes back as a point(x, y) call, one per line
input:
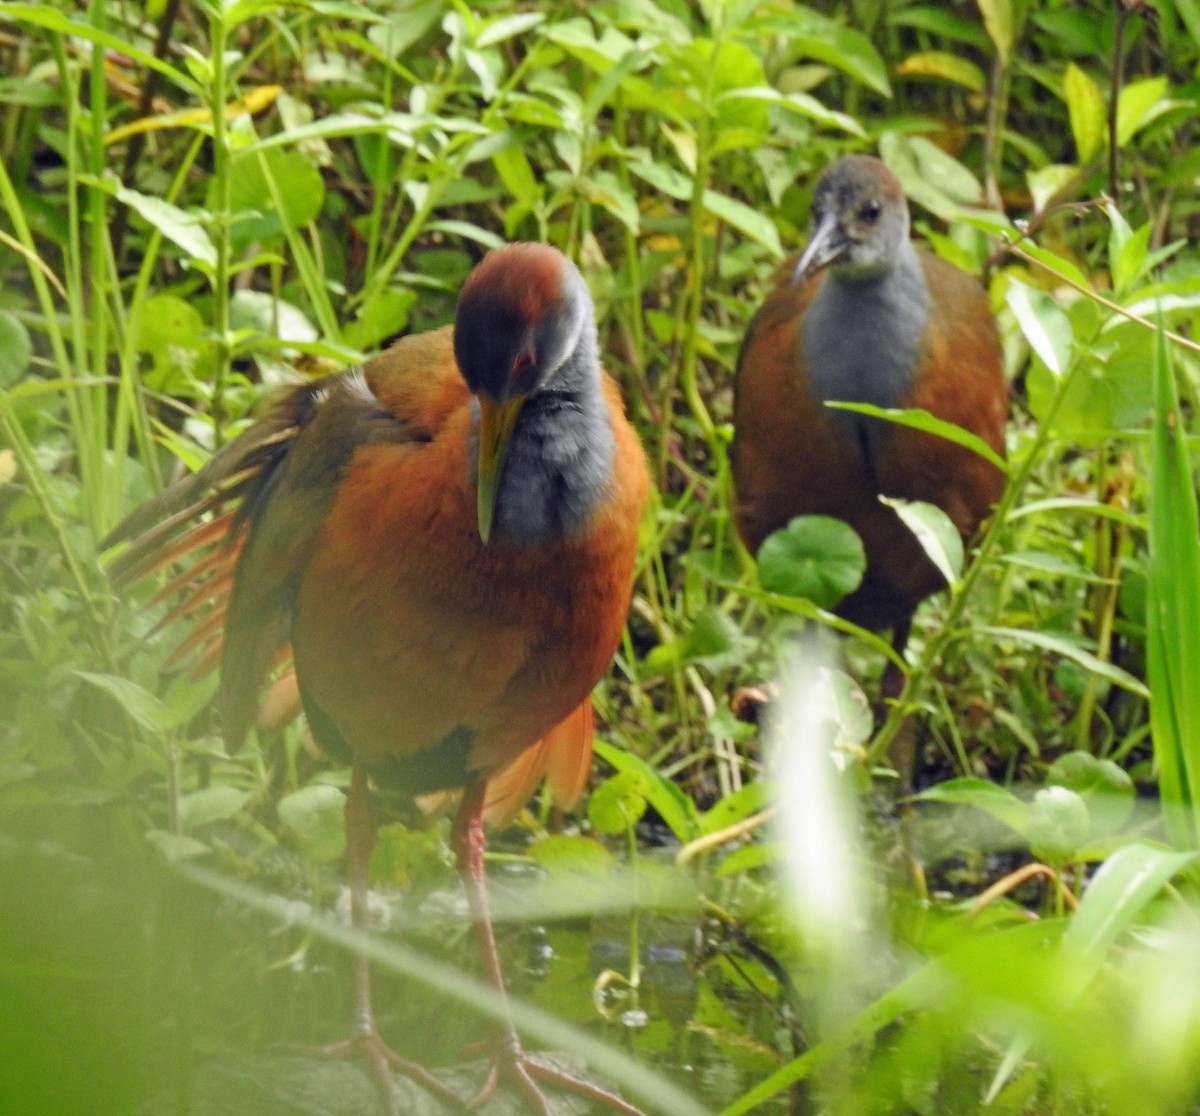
point(222, 218)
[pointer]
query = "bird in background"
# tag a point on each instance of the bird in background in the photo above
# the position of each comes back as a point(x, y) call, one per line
point(442, 541)
point(862, 315)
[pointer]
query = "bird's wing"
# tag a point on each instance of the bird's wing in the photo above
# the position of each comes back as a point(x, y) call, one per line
point(286, 515)
point(201, 522)
point(960, 379)
point(243, 527)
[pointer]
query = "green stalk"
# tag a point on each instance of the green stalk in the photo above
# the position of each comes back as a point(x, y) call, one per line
point(1173, 611)
point(696, 266)
point(131, 404)
point(83, 437)
point(217, 95)
point(34, 476)
point(102, 495)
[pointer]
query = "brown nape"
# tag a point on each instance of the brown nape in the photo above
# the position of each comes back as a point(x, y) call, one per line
point(884, 323)
point(341, 536)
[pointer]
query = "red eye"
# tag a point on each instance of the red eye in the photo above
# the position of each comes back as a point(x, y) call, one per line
point(523, 361)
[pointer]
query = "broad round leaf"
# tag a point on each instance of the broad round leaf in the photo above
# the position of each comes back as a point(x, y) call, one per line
point(297, 182)
point(1106, 788)
point(1059, 824)
point(814, 556)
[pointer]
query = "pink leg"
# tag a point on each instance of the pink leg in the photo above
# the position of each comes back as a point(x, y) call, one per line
point(364, 1040)
point(509, 1057)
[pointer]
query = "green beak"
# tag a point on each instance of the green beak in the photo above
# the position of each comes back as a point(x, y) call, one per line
point(496, 423)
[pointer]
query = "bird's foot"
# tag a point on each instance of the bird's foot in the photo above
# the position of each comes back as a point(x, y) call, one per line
point(381, 1060)
point(526, 1074)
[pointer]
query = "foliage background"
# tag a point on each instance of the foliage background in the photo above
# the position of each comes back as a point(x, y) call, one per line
point(197, 199)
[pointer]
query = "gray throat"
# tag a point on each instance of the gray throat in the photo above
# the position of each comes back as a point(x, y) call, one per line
point(862, 340)
point(560, 458)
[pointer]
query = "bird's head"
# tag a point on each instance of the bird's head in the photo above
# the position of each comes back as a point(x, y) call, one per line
point(859, 220)
point(521, 314)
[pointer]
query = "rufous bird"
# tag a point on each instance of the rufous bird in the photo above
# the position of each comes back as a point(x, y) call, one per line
point(862, 315)
point(444, 541)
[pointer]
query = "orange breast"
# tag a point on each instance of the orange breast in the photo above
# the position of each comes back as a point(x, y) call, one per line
point(790, 459)
point(411, 631)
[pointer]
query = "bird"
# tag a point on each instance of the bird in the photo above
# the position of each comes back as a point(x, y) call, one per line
point(435, 551)
point(863, 315)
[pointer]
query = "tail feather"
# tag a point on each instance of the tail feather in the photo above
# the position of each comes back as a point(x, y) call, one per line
point(204, 631)
point(563, 756)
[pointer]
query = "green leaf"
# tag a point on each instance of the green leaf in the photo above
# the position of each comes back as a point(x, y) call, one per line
point(811, 34)
point(1118, 895)
point(176, 846)
point(756, 225)
point(946, 66)
point(1108, 671)
point(995, 800)
point(1044, 325)
point(262, 313)
point(1046, 183)
point(139, 703)
point(299, 185)
point(316, 817)
point(712, 640)
point(1087, 774)
point(929, 175)
point(1173, 610)
point(919, 419)
point(1086, 110)
point(936, 533)
point(1133, 259)
point(675, 808)
point(512, 164)
point(180, 227)
point(1088, 508)
point(605, 190)
point(1054, 566)
point(618, 803)
point(748, 858)
point(507, 27)
point(1000, 22)
point(212, 804)
point(1136, 105)
point(752, 799)
point(1059, 824)
point(42, 15)
point(567, 853)
point(1108, 390)
point(404, 25)
point(1107, 790)
point(665, 179)
point(578, 38)
point(172, 331)
point(383, 315)
point(803, 104)
point(15, 349)
point(814, 556)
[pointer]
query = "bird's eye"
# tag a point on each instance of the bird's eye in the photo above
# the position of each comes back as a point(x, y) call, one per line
point(522, 362)
point(870, 212)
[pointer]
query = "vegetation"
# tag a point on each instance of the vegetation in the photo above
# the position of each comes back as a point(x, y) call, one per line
point(199, 199)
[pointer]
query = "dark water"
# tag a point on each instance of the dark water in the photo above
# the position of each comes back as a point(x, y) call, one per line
point(121, 979)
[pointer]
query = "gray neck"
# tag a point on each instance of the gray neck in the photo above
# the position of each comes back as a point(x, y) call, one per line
point(560, 458)
point(862, 339)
